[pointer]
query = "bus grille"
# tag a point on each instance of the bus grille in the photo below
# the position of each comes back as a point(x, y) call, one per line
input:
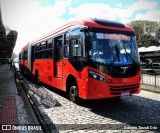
point(116, 90)
point(119, 72)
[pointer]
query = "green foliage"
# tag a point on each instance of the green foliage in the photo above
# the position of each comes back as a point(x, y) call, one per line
point(147, 32)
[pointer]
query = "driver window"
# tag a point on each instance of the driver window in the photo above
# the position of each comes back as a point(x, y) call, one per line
point(76, 43)
point(76, 48)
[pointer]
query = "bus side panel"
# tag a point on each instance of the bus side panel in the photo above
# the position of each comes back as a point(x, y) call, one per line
point(81, 78)
point(48, 72)
point(83, 83)
point(58, 78)
point(45, 70)
point(42, 70)
point(39, 66)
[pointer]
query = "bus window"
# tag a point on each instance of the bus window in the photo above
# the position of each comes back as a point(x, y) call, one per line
point(75, 48)
point(49, 53)
point(66, 45)
point(58, 43)
point(49, 44)
point(42, 48)
point(49, 49)
point(76, 43)
point(25, 54)
point(42, 54)
point(66, 51)
point(37, 48)
point(37, 55)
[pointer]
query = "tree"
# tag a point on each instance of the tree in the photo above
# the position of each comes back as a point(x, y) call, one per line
point(147, 32)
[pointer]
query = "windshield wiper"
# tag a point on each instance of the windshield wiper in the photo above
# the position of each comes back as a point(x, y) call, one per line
point(115, 57)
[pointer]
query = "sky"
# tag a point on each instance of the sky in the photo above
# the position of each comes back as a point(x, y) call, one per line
point(35, 18)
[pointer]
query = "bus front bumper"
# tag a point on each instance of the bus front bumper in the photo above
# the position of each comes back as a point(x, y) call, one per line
point(100, 90)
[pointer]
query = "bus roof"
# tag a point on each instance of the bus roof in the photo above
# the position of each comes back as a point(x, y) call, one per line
point(24, 47)
point(97, 23)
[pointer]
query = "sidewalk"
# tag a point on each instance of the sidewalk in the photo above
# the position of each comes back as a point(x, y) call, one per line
point(7, 83)
point(8, 91)
point(150, 88)
point(15, 107)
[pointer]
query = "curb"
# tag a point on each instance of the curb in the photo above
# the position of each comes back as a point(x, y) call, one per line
point(150, 88)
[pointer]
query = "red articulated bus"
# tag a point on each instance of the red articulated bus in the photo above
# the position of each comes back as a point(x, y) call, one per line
point(89, 59)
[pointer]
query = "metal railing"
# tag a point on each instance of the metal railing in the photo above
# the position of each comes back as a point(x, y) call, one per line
point(151, 79)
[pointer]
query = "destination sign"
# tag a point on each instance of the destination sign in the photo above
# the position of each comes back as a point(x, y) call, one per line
point(113, 36)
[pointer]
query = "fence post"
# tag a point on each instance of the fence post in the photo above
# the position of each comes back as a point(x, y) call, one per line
point(15, 74)
point(155, 79)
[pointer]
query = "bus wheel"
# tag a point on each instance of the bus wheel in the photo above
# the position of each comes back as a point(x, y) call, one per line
point(73, 94)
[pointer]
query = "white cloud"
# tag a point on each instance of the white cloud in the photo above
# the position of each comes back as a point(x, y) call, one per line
point(143, 4)
point(90, 10)
point(95, 10)
point(30, 19)
point(125, 20)
point(153, 15)
point(60, 7)
point(105, 11)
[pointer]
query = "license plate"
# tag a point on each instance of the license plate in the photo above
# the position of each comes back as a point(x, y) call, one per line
point(125, 93)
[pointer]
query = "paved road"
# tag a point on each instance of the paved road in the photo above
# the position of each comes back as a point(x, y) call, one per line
point(135, 111)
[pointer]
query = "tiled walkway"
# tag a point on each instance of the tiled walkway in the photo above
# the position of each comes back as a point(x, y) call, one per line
point(7, 98)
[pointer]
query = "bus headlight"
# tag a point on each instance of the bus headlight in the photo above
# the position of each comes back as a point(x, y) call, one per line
point(96, 76)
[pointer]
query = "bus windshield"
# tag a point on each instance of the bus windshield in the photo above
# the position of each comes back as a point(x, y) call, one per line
point(107, 48)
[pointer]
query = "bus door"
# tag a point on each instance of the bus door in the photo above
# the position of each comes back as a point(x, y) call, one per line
point(58, 70)
point(49, 68)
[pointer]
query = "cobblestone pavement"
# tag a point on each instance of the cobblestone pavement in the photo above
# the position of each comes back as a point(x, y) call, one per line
point(135, 112)
point(21, 113)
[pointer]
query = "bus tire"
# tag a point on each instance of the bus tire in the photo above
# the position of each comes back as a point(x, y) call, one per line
point(73, 94)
